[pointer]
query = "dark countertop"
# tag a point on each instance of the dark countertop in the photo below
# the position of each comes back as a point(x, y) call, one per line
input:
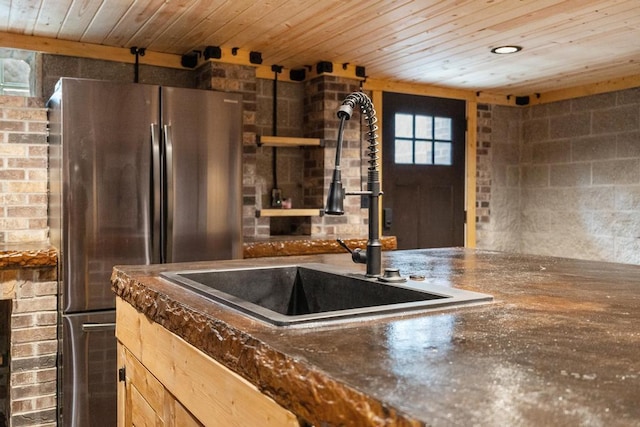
point(23, 255)
point(559, 346)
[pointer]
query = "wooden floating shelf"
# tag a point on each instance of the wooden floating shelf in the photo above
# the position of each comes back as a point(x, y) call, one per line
point(289, 212)
point(285, 141)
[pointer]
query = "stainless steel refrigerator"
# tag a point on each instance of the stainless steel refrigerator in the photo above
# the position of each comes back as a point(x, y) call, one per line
point(139, 174)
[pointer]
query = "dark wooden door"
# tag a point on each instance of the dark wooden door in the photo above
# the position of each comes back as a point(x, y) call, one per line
point(423, 170)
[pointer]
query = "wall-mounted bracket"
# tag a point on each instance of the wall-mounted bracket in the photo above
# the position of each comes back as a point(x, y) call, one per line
point(138, 52)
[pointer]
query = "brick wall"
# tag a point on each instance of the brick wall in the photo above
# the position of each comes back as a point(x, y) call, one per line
point(33, 345)
point(498, 178)
point(483, 168)
point(323, 97)
point(257, 119)
point(241, 79)
point(290, 112)
point(5, 350)
point(565, 178)
point(23, 170)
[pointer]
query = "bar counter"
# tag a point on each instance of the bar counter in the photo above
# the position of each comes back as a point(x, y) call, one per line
point(558, 346)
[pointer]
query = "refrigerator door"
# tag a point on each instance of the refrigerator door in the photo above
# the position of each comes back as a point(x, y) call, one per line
point(106, 157)
point(89, 368)
point(203, 149)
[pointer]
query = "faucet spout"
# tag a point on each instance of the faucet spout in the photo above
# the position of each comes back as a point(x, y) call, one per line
point(335, 199)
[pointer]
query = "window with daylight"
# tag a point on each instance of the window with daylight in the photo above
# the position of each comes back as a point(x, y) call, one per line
point(16, 72)
point(423, 140)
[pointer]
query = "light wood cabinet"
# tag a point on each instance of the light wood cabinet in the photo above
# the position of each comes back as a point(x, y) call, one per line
point(165, 381)
point(144, 401)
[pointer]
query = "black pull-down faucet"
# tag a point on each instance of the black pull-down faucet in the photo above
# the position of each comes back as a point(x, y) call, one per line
point(335, 199)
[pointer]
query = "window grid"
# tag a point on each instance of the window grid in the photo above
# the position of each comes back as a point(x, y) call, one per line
point(429, 146)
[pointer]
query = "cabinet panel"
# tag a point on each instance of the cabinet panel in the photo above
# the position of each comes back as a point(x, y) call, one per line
point(142, 413)
point(182, 417)
point(201, 389)
point(143, 400)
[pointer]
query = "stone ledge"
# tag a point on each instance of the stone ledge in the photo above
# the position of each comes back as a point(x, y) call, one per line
point(27, 255)
point(305, 245)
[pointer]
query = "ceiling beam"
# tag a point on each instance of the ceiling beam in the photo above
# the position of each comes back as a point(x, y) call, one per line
point(438, 91)
point(587, 90)
point(85, 50)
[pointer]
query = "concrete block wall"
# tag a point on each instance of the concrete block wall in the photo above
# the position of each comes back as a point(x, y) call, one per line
point(23, 170)
point(577, 170)
point(55, 66)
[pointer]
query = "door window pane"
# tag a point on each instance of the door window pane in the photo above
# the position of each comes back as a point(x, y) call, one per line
point(443, 153)
point(423, 127)
point(443, 128)
point(424, 153)
point(404, 151)
point(404, 125)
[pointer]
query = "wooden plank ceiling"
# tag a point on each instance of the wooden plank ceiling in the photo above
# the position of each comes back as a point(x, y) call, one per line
point(444, 43)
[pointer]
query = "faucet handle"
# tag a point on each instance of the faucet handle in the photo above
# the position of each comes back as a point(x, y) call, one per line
point(344, 245)
point(357, 255)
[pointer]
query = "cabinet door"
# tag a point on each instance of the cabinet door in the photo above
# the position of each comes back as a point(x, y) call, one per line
point(124, 397)
point(144, 401)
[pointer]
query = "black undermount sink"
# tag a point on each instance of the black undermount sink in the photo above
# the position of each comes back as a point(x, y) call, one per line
point(304, 293)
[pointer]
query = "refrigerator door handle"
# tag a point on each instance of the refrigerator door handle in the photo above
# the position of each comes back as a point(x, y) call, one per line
point(168, 229)
point(98, 327)
point(153, 249)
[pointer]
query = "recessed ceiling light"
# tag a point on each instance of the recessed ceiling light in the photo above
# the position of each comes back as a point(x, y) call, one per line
point(503, 50)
